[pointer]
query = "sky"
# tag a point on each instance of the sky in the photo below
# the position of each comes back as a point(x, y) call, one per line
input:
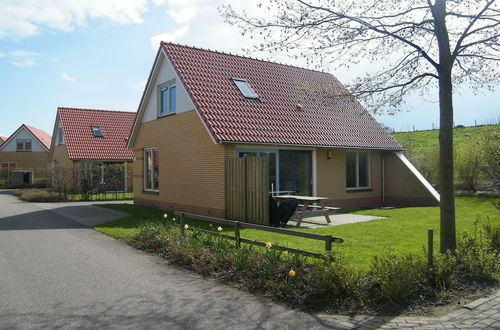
point(98, 54)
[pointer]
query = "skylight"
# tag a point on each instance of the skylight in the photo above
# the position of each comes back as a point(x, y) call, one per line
point(96, 130)
point(245, 88)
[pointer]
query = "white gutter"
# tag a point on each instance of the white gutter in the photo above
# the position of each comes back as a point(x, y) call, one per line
point(419, 176)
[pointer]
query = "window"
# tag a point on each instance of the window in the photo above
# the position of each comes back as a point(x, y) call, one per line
point(245, 88)
point(8, 165)
point(96, 130)
point(167, 99)
point(23, 145)
point(60, 137)
point(151, 169)
point(357, 170)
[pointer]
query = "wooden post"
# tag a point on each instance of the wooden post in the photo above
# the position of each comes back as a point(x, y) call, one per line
point(237, 234)
point(328, 244)
point(245, 188)
point(181, 223)
point(430, 247)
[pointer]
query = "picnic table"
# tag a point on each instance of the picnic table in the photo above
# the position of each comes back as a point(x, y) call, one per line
point(307, 207)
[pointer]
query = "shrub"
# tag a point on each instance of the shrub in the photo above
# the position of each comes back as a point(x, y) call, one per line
point(467, 168)
point(38, 195)
point(397, 277)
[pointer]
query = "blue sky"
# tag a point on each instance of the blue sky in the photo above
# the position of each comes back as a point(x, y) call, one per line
point(98, 54)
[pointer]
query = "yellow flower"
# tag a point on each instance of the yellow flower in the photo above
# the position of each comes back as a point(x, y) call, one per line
point(219, 228)
point(211, 226)
point(186, 226)
point(268, 245)
point(285, 253)
point(165, 215)
point(291, 273)
point(173, 219)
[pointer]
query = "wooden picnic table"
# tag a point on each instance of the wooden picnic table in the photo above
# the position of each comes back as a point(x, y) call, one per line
point(306, 208)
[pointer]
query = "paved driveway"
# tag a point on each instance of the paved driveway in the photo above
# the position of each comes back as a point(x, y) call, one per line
point(57, 273)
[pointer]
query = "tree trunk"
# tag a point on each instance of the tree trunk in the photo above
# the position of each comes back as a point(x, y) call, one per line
point(446, 187)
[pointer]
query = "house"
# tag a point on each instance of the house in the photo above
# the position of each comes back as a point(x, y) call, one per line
point(90, 149)
point(26, 149)
point(2, 139)
point(200, 107)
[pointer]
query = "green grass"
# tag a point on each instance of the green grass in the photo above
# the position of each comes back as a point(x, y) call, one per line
point(404, 229)
point(419, 142)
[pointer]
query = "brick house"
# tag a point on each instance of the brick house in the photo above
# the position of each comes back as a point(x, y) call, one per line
point(26, 149)
point(200, 106)
point(90, 146)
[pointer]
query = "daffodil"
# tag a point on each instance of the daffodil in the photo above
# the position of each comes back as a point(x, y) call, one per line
point(285, 253)
point(291, 273)
point(219, 228)
point(268, 245)
point(186, 226)
point(165, 215)
point(173, 219)
point(211, 226)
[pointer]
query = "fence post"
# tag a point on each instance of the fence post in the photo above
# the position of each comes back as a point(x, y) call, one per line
point(430, 247)
point(245, 188)
point(181, 223)
point(328, 244)
point(237, 234)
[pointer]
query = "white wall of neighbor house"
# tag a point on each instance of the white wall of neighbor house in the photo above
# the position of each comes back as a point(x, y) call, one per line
point(23, 134)
point(166, 73)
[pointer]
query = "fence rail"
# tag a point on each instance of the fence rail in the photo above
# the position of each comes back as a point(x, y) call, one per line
point(237, 225)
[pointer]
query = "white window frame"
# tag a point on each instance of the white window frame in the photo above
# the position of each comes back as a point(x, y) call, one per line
point(145, 171)
point(369, 174)
point(167, 87)
point(23, 141)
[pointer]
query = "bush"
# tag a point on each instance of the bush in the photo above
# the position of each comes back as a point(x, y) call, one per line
point(398, 278)
point(467, 168)
point(38, 195)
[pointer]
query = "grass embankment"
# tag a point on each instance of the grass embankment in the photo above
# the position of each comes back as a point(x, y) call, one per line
point(404, 230)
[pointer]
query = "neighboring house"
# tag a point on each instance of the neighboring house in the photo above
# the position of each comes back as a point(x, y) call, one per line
point(89, 146)
point(200, 106)
point(26, 149)
point(2, 139)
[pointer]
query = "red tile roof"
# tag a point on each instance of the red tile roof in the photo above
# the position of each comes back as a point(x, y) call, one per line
point(322, 121)
point(81, 142)
point(42, 136)
point(3, 138)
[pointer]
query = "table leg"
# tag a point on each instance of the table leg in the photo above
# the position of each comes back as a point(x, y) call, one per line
point(327, 216)
point(301, 215)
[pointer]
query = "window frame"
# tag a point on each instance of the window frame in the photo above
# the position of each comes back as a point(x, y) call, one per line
point(252, 96)
point(145, 171)
point(24, 142)
point(97, 127)
point(368, 170)
point(167, 87)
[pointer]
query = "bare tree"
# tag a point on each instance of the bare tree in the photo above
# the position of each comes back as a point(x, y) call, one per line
point(423, 44)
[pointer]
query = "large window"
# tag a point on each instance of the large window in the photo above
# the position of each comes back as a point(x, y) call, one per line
point(358, 170)
point(167, 99)
point(23, 145)
point(151, 169)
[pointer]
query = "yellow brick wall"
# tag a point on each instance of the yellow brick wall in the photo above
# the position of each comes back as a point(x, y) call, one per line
point(331, 180)
point(35, 161)
point(402, 186)
point(60, 155)
point(191, 175)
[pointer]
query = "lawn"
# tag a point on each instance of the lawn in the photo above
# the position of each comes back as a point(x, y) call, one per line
point(404, 229)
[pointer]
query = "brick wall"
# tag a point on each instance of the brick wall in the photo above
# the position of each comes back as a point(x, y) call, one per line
point(35, 161)
point(191, 174)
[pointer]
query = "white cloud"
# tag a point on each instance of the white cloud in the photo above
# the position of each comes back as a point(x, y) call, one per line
point(24, 18)
point(29, 62)
point(67, 77)
point(186, 10)
point(23, 53)
point(170, 36)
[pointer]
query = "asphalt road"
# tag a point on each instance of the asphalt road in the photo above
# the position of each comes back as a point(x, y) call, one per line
point(57, 273)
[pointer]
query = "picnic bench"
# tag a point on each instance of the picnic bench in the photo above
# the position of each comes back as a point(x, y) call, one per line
point(307, 207)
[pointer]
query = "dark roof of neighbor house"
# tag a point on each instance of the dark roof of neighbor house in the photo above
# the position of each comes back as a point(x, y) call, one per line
point(290, 109)
point(43, 137)
point(81, 142)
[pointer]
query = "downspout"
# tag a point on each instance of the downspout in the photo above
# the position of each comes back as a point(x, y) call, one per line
point(383, 179)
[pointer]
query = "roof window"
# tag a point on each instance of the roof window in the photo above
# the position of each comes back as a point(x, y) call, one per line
point(245, 88)
point(96, 130)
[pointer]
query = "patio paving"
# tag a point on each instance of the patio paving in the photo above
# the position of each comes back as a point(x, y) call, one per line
point(337, 220)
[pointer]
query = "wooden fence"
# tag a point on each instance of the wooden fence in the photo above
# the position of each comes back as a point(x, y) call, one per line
point(237, 225)
point(247, 189)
